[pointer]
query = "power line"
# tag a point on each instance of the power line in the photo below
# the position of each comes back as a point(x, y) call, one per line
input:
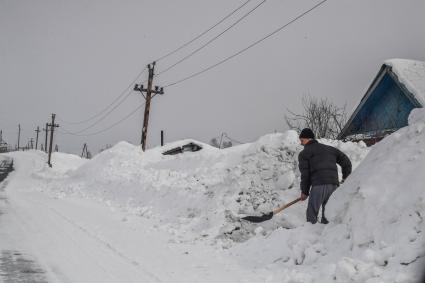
point(246, 48)
point(212, 40)
point(203, 33)
point(104, 116)
point(126, 91)
point(142, 71)
point(107, 128)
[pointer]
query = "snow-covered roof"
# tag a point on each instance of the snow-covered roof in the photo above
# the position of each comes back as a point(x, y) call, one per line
point(411, 74)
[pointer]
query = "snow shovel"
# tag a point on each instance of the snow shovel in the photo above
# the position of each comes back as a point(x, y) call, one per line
point(268, 216)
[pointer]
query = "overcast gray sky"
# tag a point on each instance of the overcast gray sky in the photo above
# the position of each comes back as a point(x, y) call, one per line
point(73, 58)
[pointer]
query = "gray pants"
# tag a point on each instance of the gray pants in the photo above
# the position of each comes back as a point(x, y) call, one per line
point(319, 196)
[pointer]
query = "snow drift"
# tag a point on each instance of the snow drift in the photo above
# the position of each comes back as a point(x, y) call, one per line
point(376, 229)
point(198, 194)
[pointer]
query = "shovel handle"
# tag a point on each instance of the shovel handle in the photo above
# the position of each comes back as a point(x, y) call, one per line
point(279, 209)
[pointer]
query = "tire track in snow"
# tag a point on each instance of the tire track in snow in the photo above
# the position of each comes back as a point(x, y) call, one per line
point(24, 224)
point(107, 245)
point(15, 265)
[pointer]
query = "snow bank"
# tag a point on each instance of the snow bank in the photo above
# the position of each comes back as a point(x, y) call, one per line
point(383, 203)
point(194, 195)
point(32, 172)
point(376, 229)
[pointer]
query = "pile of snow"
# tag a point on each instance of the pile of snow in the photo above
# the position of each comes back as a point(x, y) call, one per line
point(410, 73)
point(383, 204)
point(376, 229)
point(197, 195)
point(377, 224)
point(32, 171)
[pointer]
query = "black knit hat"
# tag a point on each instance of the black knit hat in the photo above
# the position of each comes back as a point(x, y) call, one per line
point(307, 134)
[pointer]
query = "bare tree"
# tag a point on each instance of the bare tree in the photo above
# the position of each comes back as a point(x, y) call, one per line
point(215, 143)
point(321, 115)
point(221, 143)
point(107, 146)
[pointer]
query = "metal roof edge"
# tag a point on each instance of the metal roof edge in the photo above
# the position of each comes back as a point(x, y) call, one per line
point(382, 71)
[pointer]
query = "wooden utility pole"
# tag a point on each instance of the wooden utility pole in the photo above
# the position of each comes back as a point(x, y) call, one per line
point(85, 152)
point(162, 138)
point(149, 91)
point(221, 140)
point(47, 132)
point(19, 134)
point(36, 139)
point(52, 130)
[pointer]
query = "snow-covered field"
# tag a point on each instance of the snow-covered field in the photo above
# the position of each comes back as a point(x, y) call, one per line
point(134, 216)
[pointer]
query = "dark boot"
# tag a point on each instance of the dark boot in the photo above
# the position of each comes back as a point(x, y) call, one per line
point(324, 220)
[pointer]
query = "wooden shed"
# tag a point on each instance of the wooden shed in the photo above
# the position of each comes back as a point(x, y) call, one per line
point(398, 88)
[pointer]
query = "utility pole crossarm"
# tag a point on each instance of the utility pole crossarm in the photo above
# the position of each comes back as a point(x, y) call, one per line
point(141, 89)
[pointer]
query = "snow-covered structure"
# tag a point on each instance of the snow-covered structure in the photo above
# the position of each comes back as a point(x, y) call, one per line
point(398, 88)
point(3, 145)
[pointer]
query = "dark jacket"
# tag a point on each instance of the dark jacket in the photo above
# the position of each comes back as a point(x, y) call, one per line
point(317, 164)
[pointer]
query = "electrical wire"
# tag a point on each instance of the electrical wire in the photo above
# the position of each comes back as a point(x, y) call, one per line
point(103, 117)
point(188, 77)
point(106, 114)
point(126, 92)
point(203, 33)
point(105, 129)
point(246, 48)
point(211, 40)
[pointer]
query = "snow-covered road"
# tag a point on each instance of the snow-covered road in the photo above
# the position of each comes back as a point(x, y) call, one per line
point(74, 240)
point(15, 264)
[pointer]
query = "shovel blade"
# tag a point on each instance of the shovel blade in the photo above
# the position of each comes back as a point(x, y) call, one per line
point(258, 219)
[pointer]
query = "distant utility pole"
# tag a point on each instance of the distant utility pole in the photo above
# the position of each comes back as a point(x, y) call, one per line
point(31, 143)
point(52, 130)
point(85, 152)
point(1, 136)
point(221, 140)
point(19, 134)
point(47, 131)
point(149, 91)
point(36, 140)
point(162, 138)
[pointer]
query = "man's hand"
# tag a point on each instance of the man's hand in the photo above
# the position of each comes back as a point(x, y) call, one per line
point(304, 196)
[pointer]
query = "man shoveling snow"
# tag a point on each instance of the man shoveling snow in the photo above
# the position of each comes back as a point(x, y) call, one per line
point(317, 164)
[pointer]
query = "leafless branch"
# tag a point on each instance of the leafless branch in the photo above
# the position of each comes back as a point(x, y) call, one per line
point(321, 115)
